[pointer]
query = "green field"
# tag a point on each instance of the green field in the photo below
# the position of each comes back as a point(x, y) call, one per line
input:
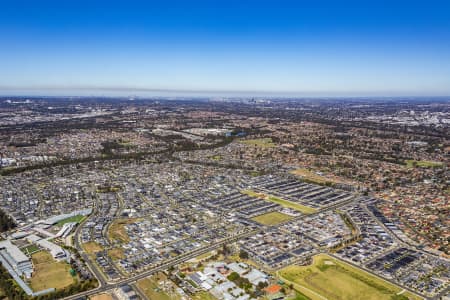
point(49, 273)
point(30, 249)
point(332, 279)
point(255, 173)
point(272, 218)
point(216, 157)
point(252, 193)
point(286, 203)
point(263, 143)
point(76, 219)
point(298, 296)
point(203, 296)
point(297, 206)
point(423, 163)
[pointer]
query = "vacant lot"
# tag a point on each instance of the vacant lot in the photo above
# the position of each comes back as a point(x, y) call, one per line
point(296, 206)
point(423, 163)
point(149, 286)
point(49, 273)
point(92, 247)
point(254, 194)
point(204, 256)
point(117, 230)
point(332, 279)
point(216, 157)
point(314, 177)
point(286, 203)
point(272, 218)
point(203, 296)
point(116, 253)
point(263, 143)
point(102, 297)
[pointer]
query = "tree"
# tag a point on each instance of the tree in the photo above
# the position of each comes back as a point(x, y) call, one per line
point(262, 285)
point(233, 276)
point(225, 249)
point(243, 254)
point(6, 222)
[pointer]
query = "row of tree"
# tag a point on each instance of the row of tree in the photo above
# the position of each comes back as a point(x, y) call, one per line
point(9, 287)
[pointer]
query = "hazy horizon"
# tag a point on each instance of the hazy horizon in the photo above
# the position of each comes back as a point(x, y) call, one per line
point(143, 93)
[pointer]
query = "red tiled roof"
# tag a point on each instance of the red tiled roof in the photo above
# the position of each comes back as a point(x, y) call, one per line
point(272, 289)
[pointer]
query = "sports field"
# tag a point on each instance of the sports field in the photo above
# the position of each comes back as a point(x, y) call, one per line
point(49, 273)
point(332, 279)
point(272, 218)
point(77, 219)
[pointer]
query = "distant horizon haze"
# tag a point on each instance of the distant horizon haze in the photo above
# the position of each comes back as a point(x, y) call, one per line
point(167, 93)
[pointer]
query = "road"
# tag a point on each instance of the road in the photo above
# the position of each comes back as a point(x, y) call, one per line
point(406, 245)
point(162, 267)
point(77, 243)
point(106, 286)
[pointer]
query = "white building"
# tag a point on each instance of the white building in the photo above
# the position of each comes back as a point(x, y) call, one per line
point(66, 229)
point(56, 251)
point(16, 258)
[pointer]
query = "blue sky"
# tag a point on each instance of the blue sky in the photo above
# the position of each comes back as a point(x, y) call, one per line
point(332, 48)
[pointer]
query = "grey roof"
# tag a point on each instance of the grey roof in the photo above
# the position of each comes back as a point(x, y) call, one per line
point(14, 251)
